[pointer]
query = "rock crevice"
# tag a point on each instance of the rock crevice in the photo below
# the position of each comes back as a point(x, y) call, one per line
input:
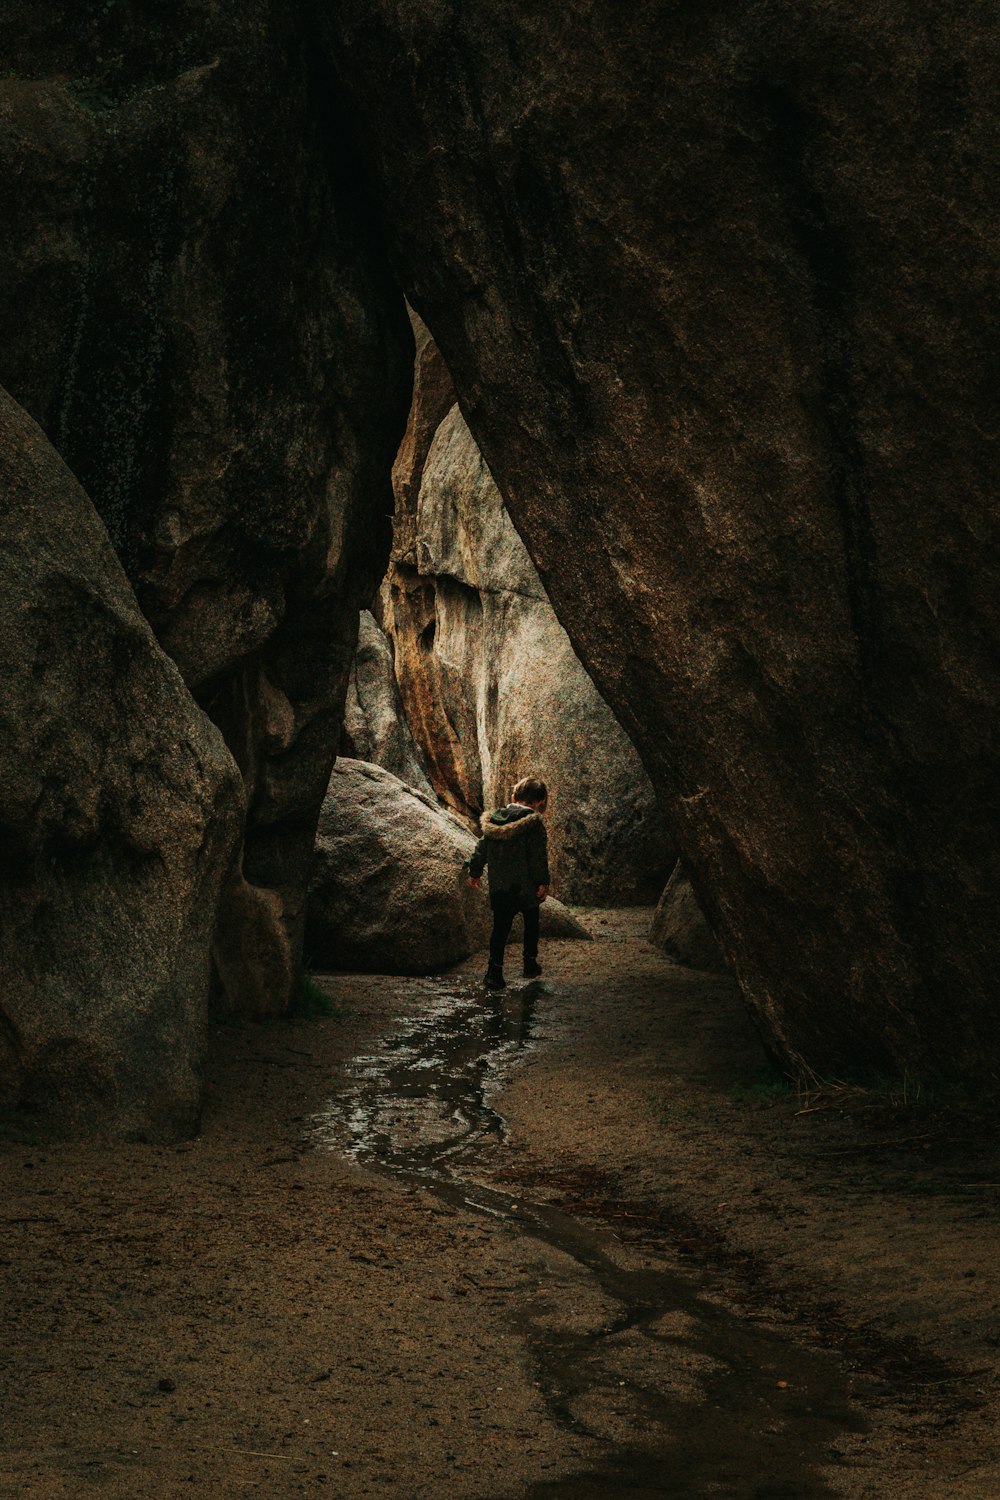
point(490, 683)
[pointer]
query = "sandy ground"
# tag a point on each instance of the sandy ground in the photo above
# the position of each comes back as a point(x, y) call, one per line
point(736, 1292)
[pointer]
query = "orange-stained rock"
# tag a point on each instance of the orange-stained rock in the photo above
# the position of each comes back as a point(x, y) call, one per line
point(491, 685)
point(375, 725)
point(433, 397)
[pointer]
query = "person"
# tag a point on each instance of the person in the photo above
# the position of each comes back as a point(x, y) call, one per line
point(515, 846)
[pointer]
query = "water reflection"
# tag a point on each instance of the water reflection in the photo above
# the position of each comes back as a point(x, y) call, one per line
point(425, 1097)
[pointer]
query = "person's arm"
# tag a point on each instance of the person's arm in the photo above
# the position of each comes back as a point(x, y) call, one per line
point(477, 862)
point(540, 871)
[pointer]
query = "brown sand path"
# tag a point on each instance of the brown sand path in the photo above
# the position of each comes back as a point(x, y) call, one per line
point(728, 1297)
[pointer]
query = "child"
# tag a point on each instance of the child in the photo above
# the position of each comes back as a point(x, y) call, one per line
point(515, 845)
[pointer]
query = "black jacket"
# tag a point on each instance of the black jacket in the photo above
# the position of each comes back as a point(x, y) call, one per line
point(515, 846)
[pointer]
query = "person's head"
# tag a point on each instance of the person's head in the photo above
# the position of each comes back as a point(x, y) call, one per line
point(531, 792)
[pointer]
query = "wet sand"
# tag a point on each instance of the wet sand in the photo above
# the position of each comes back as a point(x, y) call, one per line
point(563, 1245)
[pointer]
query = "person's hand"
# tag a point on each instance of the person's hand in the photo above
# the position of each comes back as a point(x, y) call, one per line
point(474, 881)
point(543, 891)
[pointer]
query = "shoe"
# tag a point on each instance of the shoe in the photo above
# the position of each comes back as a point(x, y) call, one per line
point(532, 968)
point(493, 979)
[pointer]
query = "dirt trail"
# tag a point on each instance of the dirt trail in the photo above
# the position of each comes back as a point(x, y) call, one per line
point(561, 1246)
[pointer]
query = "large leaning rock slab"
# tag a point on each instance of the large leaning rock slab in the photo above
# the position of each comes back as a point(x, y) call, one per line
point(388, 895)
point(120, 812)
point(490, 680)
point(717, 286)
point(192, 307)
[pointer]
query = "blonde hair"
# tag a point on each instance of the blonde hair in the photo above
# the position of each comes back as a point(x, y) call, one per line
point(528, 789)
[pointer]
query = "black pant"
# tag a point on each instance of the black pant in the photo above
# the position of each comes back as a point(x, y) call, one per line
point(506, 905)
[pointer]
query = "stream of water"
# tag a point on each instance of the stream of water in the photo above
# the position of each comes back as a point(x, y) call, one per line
point(768, 1413)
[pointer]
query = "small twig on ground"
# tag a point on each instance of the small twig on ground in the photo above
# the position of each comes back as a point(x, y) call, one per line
point(253, 1453)
point(488, 1286)
point(899, 1140)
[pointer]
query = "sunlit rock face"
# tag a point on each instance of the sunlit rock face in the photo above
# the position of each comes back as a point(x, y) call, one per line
point(388, 894)
point(119, 820)
point(717, 288)
point(192, 308)
point(489, 679)
point(375, 727)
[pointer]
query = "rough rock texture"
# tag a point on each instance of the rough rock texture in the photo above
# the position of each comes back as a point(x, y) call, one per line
point(388, 895)
point(717, 287)
point(375, 727)
point(487, 673)
point(432, 399)
point(192, 307)
point(119, 816)
point(680, 929)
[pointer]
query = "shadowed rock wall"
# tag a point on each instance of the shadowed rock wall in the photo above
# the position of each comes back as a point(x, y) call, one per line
point(717, 287)
point(680, 930)
point(120, 814)
point(488, 675)
point(193, 307)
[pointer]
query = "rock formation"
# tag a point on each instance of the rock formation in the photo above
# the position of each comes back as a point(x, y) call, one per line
point(193, 308)
point(680, 929)
point(717, 288)
point(119, 817)
point(388, 895)
point(375, 727)
point(488, 676)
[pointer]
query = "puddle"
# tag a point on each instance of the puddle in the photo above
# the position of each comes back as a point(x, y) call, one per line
point(686, 1398)
point(423, 1099)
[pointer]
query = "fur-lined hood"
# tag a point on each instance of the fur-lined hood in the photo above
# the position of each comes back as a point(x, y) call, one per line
point(508, 822)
